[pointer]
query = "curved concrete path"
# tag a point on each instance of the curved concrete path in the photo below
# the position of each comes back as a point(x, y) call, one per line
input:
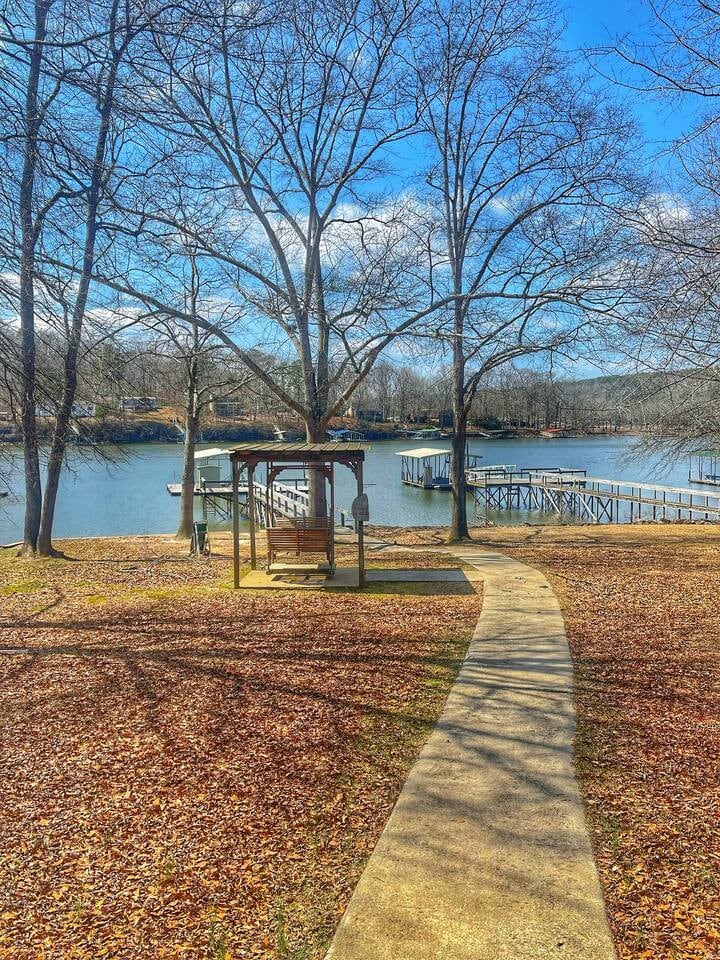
point(486, 855)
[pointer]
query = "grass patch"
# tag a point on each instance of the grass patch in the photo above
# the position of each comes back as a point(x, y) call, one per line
point(20, 586)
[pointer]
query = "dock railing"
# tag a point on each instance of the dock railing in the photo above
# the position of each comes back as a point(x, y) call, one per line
point(509, 473)
point(572, 492)
point(636, 494)
point(288, 502)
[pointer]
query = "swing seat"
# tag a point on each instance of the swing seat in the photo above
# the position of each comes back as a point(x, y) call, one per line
point(300, 537)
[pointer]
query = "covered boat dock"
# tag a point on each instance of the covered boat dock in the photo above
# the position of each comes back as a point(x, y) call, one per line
point(429, 468)
point(705, 466)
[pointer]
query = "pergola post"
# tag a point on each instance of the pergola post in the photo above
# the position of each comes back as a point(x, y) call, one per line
point(332, 516)
point(235, 524)
point(251, 513)
point(360, 535)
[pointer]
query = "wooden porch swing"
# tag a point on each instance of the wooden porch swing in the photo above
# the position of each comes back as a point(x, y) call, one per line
point(300, 537)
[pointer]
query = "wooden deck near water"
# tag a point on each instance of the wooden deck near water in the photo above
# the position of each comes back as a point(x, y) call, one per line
point(288, 501)
point(595, 499)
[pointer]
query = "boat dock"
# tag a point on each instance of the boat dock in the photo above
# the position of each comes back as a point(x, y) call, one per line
point(287, 501)
point(572, 493)
point(429, 468)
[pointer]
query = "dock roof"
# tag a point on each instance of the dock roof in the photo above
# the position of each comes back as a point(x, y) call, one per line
point(212, 452)
point(706, 452)
point(422, 453)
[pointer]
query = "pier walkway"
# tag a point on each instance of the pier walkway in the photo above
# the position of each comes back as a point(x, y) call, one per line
point(595, 499)
point(486, 855)
point(287, 501)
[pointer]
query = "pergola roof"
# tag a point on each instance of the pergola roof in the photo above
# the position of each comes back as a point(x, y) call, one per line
point(281, 451)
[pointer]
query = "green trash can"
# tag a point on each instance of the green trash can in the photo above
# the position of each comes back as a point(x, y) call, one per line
point(200, 541)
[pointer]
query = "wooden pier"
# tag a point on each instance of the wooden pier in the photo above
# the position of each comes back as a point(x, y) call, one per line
point(287, 501)
point(572, 494)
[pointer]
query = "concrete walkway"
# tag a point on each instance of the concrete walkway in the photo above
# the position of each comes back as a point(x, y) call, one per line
point(486, 855)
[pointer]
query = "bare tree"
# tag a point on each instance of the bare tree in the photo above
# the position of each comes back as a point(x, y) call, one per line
point(71, 147)
point(674, 331)
point(524, 173)
point(207, 373)
point(287, 124)
point(28, 100)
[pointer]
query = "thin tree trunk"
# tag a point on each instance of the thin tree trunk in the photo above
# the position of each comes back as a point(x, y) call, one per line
point(57, 456)
point(187, 493)
point(62, 421)
point(33, 488)
point(31, 458)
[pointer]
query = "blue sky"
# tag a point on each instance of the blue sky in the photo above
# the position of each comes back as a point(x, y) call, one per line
point(595, 23)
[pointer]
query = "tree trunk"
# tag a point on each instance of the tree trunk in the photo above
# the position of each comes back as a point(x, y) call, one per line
point(458, 521)
point(31, 458)
point(57, 456)
point(316, 481)
point(187, 493)
point(33, 489)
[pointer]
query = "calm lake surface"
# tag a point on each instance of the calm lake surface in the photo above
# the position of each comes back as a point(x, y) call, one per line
point(129, 496)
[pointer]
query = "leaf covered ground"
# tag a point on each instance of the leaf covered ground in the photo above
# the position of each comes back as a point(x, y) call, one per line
point(643, 620)
point(189, 772)
point(194, 772)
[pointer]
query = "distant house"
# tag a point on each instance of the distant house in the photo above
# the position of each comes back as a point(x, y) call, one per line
point(365, 413)
point(79, 410)
point(443, 418)
point(228, 409)
point(137, 404)
point(82, 410)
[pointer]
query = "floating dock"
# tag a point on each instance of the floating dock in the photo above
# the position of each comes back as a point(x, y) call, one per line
point(572, 493)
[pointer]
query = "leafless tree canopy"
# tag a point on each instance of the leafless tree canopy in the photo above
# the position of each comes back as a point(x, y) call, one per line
point(303, 186)
point(675, 57)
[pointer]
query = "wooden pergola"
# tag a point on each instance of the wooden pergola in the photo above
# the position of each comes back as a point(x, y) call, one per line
point(279, 456)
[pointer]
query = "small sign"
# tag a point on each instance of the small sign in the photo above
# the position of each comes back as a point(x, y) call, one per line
point(360, 508)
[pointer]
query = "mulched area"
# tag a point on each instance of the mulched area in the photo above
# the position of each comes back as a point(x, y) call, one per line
point(643, 621)
point(193, 772)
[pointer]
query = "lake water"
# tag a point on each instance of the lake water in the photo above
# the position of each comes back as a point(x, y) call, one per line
point(129, 496)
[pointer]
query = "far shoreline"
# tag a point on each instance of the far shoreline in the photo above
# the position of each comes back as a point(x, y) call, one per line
point(150, 430)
